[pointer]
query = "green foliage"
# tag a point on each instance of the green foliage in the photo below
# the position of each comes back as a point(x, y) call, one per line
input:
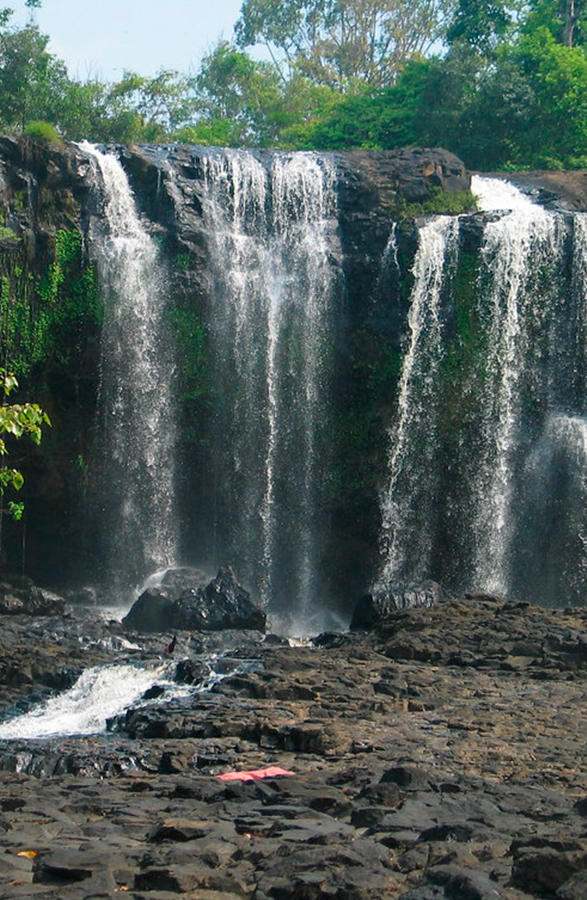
point(527, 109)
point(236, 98)
point(6, 234)
point(15, 510)
point(503, 83)
point(67, 246)
point(183, 262)
point(557, 17)
point(39, 313)
point(369, 119)
point(33, 82)
point(42, 131)
point(480, 23)
point(191, 341)
point(439, 203)
point(17, 420)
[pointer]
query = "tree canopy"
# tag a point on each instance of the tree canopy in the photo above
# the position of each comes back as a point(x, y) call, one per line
point(503, 83)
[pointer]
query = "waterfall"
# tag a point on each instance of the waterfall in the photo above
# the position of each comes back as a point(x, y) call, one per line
point(407, 505)
point(136, 391)
point(553, 500)
point(487, 446)
point(272, 238)
point(517, 247)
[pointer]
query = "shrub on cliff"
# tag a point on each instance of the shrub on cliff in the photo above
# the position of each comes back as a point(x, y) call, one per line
point(42, 131)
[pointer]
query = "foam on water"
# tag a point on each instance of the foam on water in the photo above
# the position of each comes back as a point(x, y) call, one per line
point(99, 693)
point(494, 194)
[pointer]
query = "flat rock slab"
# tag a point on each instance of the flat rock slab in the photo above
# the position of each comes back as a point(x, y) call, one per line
point(467, 778)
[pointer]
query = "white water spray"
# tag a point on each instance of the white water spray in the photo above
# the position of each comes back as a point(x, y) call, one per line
point(516, 247)
point(98, 694)
point(272, 231)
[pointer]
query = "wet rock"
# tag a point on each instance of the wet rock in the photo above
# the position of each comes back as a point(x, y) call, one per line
point(479, 798)
point(464, 884)
point(190, 671)
point(385, 794)
point(180, 879)
point(65, 867)
point(408, 778)
point(29, 601)
point(376, 608)
point(178, 830)
point(331, 639)
point(184, 602)
point(451, 833)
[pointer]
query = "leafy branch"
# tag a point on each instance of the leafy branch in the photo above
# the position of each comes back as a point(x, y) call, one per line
point(17, 420)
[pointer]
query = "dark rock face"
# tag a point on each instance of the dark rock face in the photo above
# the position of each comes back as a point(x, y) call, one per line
point(374, 609)
point(29, 601)
point(185, 602)
point(190, 671)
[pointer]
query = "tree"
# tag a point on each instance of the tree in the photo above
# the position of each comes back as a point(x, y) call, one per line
point(480, 23)
point(32, 81)
point(565, 19)
point(159, 104)
point(375, 118)
point(338, 42)
point(524, 108)
point(235, 98)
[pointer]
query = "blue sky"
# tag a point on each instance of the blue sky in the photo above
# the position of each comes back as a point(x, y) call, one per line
point(106, 36)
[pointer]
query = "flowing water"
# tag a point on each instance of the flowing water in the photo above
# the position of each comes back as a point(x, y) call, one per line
point(478, 411)
point(98, 694)
point(517, 248)
point(487, 482)
point(409, 500)
point(136, 387)
point(272, 239)
point(554, 503)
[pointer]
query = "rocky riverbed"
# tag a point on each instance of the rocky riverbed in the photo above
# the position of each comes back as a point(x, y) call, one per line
point(440, 755)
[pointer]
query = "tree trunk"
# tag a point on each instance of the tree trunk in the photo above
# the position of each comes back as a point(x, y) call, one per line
point(571, 19)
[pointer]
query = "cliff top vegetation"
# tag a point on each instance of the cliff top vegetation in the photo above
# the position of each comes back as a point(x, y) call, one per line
point(502, 83)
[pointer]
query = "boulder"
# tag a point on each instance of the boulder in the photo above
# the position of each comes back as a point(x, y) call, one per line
point(190, 671)
point(29, 600)
point(377, 607)
point(186, 601)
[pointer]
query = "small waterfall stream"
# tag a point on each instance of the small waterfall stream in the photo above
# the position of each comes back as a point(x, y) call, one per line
point(408, 502)
point(136, 399)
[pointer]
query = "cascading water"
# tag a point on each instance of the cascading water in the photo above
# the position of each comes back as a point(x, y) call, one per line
point(554, 503)
point(136, 400)
point(272, 234)
point(408, 502)
point(99, 693)
point(517, 248)
point(487, 462)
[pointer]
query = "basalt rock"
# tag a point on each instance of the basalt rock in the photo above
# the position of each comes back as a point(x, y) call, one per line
point(375, 608)
point(482, 797)
point(184, 602)
point(29, 600)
